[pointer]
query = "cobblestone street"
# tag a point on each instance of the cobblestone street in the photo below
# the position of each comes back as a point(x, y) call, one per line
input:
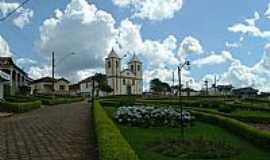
point(60, 132)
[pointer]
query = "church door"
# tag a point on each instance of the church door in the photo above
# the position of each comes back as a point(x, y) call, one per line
point(129, 90)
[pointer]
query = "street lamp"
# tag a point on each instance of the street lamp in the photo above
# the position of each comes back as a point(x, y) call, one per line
point(180, 67)
point(53, 67)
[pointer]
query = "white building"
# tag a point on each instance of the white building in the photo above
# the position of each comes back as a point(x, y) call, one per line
point(127, 81)
point(86, 88)
point(4, 78)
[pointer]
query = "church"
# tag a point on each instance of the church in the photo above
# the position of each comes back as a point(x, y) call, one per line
point(128, 81)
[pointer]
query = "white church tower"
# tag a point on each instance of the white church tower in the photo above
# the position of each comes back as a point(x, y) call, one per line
point(124, 82)
point(113, 69)
point(135, 66)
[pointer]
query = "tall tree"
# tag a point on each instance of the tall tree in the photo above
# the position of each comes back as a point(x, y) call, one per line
point(159, 87)
point(101, 83)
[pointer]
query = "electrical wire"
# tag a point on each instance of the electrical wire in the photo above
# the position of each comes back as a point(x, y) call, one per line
point(14, 11)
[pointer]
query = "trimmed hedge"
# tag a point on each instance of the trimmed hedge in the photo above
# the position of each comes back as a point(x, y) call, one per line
point(112, 145)
point(244, 118)
point(61, 100)
point(254, 135)
point(19, 107)
point(206, 104)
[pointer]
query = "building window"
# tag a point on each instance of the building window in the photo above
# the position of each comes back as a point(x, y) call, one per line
point(86, 85)
point(132, 67)
point(124, 82)
point(109, 65)
point(139, 68)
point(62, 87)
point(133, 82)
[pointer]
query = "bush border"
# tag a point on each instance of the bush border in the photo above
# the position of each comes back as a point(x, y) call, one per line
point(111, 143)
point(258, 137)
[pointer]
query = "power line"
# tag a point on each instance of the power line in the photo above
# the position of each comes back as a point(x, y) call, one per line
point(14, 11)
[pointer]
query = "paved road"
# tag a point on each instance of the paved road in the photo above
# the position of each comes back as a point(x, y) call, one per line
point(60, 132)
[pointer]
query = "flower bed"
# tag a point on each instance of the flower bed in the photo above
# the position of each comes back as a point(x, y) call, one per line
point(151, 116)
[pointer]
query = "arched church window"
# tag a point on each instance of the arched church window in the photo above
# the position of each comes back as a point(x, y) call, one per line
point(109, 64)
point(124, 82)
point(139, 67)
point(131, 67)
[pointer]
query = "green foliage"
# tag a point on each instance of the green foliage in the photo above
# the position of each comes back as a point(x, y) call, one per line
point(244, 116)
point(127, 101)
point(141, 140)
point(226, 109)
point(158, 86)
point(102, 84)
point(19, 107)
point(259, 137)
point(56, 101)
point(111, 143)
point(196, 148)
point(205, 103)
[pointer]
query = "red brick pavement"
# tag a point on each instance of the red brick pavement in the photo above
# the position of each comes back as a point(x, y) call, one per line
point(62, 132)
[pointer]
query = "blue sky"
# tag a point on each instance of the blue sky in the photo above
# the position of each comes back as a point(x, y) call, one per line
point(205, 21)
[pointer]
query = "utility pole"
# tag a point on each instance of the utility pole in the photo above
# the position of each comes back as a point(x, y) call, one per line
point(215, 85)
point(53, 67)
point(172, 83)
point(206, 87)
point(93, 90)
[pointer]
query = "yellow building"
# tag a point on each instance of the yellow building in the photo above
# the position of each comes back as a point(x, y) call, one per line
point(44, 86)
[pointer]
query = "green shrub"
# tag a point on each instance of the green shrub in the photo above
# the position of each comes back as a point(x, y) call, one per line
point(19, 107)
point(226, 109)
point(20, 99)
point(56, 101)
point(258, 137)
point(111, 143)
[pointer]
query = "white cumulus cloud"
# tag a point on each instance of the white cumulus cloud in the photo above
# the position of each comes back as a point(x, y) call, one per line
point(189, 45)
point(214, 58)
point(250, 28)
point(4, 48)
point(23, 15)
point(152, 9)
point(256, 76)
point(81, 28)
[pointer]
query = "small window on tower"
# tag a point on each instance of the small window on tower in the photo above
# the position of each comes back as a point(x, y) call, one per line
point(124, 82)
point(131, 67)
point(109, 64)
point(139, 68)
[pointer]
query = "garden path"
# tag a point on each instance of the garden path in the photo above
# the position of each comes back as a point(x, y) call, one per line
point(62, 132)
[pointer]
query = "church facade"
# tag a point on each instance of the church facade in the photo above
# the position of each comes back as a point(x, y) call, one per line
point(127, 81)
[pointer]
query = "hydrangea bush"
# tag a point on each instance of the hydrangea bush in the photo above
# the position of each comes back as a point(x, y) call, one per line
point(151, 116)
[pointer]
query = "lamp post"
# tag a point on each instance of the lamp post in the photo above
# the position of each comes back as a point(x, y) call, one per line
point(180, 67)
point(53, 68)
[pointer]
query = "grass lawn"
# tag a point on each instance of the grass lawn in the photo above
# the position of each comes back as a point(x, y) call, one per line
point(141, 138)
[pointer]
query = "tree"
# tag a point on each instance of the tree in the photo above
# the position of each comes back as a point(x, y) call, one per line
point(159, 87)
point(102, 83)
